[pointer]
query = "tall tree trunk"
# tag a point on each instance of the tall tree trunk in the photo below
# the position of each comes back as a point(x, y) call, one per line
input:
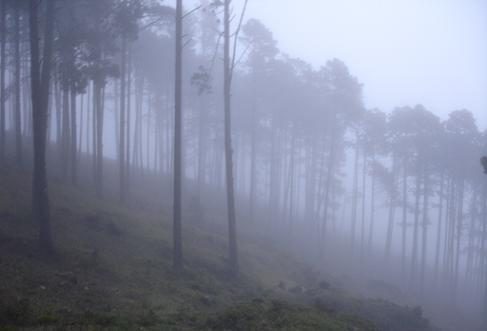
point(414, 253)
point(40, 81)
point(17, 109)
point(458, 236)
point(59, 110)
point(353, 220)
point(253, 160)
point(65, 137)
point(471, 235)
point(3, 62)
point(425, 221)
point(178, 128)
point(292, 182)
point(329, 181)
point(94, 115)
point(202, 133)
point(232, 230)
point(121, 154)
point(81, 122)
point(372, 210)
point(137, 149)
point(99, 136)
point(392, 209)
point(129, 100)
point(404, 216)
point(364, 195)
point(439, 227)
point(483, 246)
point(74, 144)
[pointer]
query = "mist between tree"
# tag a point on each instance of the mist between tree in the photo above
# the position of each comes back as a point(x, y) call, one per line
point(200, 106)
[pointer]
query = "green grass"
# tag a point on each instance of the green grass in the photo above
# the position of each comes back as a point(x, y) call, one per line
point(112, 270)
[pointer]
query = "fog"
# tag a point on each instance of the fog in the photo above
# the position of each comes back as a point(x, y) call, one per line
point(404, 52)
point(163, 163)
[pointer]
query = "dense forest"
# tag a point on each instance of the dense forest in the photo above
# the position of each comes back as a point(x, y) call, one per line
point(144, 104)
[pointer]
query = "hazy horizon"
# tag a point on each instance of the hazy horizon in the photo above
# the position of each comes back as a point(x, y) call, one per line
point(378, 40)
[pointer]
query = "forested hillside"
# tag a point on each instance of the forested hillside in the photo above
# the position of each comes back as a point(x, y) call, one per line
point(166, 164)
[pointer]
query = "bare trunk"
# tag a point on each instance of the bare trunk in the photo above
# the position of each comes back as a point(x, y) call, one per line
point(121, 154)
point(439, 228)
point(425, 221)
point(232, 230)
point(74, 144)
point(414, 253)
point(404, 216)
point(65, 137)
point(392, 209)
point(178, 164)
point(40, 81)
point(353, 220)
point(3, 62)
point(17, 101)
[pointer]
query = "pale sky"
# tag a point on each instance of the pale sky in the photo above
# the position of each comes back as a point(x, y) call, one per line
point(405, 52)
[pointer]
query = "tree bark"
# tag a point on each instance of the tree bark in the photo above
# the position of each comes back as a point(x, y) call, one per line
point(122, 123)
point(17, 101)
point(232, 231)
point(74, 144)
point(392, 209)
point(3, 62)
point(40, 82)
point(353, 220)
point(439, 228)
point(178, 166)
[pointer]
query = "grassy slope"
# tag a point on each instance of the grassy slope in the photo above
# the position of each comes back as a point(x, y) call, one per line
point(113, 270)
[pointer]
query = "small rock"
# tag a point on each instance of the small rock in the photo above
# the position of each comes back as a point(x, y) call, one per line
point(42, 287)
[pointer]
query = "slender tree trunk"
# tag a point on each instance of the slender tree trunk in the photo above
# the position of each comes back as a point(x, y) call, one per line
point(292, 182)
point(471, 235)
point(99, 138)
point(392, 209)
point(439, 227)
point(202, 132)
point(364, 195)
point(59, 110)
point(329, 180)
point(404, 216)
point(66, 138)
point(483, 247)
point(178, 128)
point(372, 210)
point(3, 62)
point(353, 220)
point(425, 221)
point(414, 253)
point(458, 236)
point(94, 125)
point(129, 100)
point(253, 161)
point(232, 230)
point(40, 80)
point(81, 122)
point(137, 149)
point(74, 144)
point(122, 151)
point(17, 109)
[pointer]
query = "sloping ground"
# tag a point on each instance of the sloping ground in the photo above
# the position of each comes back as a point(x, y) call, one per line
point(113, 270)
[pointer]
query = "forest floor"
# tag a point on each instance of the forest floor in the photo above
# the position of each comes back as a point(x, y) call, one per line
point(113, 270)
